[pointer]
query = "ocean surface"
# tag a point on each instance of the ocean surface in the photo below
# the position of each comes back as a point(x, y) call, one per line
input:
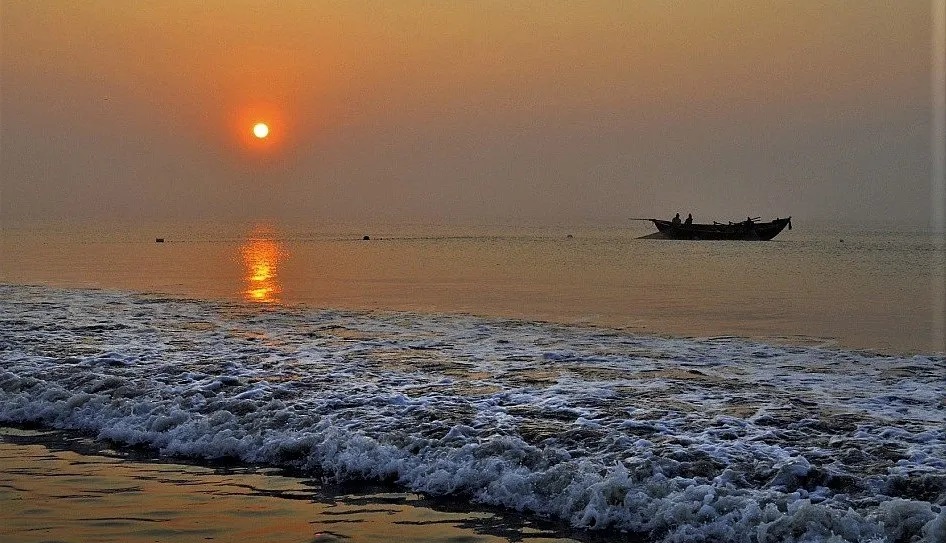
point(677, 391)
point(880, 289)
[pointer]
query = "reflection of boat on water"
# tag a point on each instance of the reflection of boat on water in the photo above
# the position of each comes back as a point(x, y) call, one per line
point(261, 258)
point(748, 230)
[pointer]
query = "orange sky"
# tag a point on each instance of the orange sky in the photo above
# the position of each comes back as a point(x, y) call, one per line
point(379, 103)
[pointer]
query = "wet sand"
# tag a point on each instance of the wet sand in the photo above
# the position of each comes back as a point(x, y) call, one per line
point(57, 487)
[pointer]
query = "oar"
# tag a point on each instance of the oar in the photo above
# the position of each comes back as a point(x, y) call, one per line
point(636, 219)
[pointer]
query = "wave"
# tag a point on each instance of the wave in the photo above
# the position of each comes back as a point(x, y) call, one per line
point(679, 439)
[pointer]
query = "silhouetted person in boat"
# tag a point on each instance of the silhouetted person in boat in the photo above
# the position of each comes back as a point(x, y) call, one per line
point(689, 220)
point(749, 225)
point(676, 220)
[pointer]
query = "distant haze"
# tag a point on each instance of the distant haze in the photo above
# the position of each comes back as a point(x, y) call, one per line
point(465, 111)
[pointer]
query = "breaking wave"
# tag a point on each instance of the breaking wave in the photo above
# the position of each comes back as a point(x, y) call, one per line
point(680, 439)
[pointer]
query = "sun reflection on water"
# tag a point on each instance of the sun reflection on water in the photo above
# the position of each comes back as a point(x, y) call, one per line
point(261, 258)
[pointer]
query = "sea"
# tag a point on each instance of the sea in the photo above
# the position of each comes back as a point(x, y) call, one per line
point(625, 388)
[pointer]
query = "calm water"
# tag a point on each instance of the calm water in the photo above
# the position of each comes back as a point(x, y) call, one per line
point(876, 289)
point(395, 360)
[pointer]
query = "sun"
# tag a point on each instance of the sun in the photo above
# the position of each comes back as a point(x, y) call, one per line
point(260, 130)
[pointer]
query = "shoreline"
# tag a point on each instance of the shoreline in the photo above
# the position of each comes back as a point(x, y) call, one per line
point(60, 485)
point(581, 425)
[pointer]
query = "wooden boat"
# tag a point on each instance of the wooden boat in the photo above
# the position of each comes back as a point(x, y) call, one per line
point(748, 230)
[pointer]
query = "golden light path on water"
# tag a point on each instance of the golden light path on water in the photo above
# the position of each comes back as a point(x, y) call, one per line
point(261, 257)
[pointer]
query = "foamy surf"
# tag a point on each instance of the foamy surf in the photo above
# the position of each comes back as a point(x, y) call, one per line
point(684, 440)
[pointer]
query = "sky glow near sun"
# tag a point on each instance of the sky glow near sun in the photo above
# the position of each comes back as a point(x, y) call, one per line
point(463, 112)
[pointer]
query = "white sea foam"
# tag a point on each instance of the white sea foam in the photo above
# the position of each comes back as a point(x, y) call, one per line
point(716, 439)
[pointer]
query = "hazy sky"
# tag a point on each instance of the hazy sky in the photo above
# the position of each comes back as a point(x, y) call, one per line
point(466, 110)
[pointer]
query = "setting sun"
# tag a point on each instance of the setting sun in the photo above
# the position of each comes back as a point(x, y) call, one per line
point(258, 129)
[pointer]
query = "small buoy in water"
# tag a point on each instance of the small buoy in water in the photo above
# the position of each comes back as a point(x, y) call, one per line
point(159, 240)
point(366, 238)
point(569, 236)
point(842, 241)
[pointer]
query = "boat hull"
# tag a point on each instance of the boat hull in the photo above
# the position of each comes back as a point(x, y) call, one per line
point(742, 231)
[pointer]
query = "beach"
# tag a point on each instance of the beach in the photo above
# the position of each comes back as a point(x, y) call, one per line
point(390, 271)
point(509, 401)
point(56, 487)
